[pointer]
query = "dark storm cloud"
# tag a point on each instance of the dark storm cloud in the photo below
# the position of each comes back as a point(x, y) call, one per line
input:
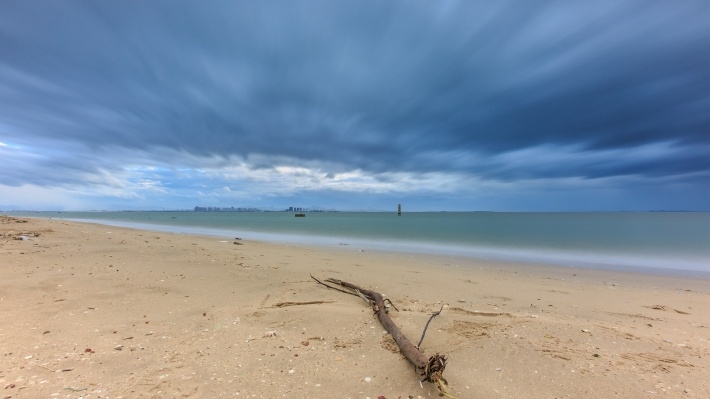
point(377, 86)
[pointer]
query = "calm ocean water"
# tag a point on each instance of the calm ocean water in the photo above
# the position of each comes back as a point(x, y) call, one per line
point(660, 241)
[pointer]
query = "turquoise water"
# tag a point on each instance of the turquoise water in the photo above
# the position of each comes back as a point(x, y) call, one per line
point(671, 241)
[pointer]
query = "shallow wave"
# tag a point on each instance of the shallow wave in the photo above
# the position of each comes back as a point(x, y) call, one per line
point(668, 264)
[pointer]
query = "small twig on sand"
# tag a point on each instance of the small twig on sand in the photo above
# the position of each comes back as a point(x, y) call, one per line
point(285, 304)
point(76, 390)
point(427, 325)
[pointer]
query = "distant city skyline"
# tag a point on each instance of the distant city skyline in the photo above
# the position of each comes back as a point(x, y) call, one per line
point(471, 106)
point(256, 209)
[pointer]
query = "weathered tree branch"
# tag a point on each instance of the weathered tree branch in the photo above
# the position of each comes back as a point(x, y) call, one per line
point(431, 368)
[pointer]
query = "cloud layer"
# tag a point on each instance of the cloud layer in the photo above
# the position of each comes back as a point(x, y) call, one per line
point(465, 105)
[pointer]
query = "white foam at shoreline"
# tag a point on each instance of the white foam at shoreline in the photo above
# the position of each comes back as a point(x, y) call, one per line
point(595, 260)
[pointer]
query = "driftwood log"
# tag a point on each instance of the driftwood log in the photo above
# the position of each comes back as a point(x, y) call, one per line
point(430, 368)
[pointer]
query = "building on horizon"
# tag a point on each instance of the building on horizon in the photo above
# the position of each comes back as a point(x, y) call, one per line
point(225, 209)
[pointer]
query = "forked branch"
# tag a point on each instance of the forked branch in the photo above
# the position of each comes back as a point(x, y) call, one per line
point(432, 368)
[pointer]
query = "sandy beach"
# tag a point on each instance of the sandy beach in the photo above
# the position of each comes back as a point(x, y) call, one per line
point(92, 311)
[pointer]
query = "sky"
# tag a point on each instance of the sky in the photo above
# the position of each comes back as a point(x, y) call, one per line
point(355, 105)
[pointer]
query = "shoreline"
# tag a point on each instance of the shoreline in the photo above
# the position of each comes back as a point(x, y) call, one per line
point(131, 313)
point(565, 259)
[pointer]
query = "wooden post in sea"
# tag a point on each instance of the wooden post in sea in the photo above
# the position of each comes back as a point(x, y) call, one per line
point(399, 209)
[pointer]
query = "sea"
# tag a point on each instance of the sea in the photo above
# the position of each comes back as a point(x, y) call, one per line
point(663, 242)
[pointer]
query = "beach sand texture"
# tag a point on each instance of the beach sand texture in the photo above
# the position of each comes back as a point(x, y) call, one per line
point(90, 311)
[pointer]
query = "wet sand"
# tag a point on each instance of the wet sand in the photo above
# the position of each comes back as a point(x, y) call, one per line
point(92, 311)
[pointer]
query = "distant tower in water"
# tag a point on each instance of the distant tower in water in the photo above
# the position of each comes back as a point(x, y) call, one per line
point(399, 209)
